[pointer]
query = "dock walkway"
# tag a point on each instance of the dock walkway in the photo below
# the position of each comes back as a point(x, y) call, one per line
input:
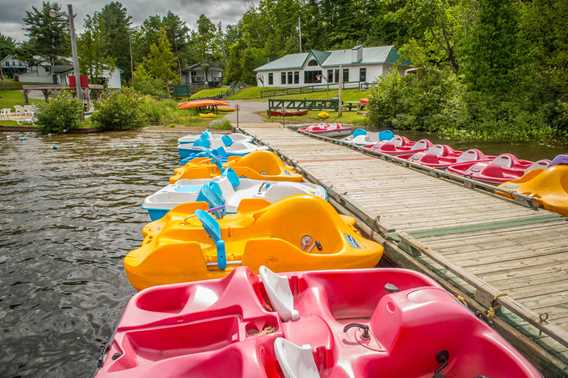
point(508, 262)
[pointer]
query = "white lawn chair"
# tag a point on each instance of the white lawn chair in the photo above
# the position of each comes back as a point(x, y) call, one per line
point(19, 110)
point(29, 110)
point(5, 113)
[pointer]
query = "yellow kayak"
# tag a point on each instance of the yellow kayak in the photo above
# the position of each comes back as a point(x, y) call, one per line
point(549, 186)
point(258, 165)
point(188, 244)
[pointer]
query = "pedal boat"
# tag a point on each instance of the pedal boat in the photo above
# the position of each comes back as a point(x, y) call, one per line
point(503, 168)
point(230, 147)
point(235, 137)
point(337, 324)
point(328, 129)
point(436, 160)
point(549, 186)
point(361, 138)
point(231, 188)
point(432, 154)
point(301, 232)
point(258, 165)
point(401, 146)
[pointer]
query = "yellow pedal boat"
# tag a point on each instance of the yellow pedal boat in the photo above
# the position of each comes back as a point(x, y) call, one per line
point(549, 187)
point(258, 165)
point(300, 232)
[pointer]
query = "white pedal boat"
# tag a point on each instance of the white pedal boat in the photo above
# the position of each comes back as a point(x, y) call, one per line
point(361, 138)
point(232, 190)
point(186, 150)
point(236, 137)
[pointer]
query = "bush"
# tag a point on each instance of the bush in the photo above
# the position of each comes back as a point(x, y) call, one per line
point(10, 85)
point(221, 124)
point(120, 110)
point(61, 114)
point(146, 84)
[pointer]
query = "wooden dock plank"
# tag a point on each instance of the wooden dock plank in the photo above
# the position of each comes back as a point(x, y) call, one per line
point(528, 262)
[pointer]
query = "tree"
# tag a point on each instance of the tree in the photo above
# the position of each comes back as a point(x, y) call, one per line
point(93, 47)
point(114, 23)
point(7, 46)
point(47, 30)
point(161, 61)
point(490, 48)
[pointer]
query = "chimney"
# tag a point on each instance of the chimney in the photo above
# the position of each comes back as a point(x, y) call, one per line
point(357, 54)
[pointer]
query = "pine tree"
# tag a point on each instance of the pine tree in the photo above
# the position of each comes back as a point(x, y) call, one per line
point(47, 30)
point(161, 61)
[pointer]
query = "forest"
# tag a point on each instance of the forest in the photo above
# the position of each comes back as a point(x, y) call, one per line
point(491, 70)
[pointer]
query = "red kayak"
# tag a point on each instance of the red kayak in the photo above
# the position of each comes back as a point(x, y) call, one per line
point(402, 146)
point(337, 323)
point(328, 129)
point(502, 168)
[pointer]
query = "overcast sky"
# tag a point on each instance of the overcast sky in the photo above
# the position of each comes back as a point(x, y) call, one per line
point(228, 12)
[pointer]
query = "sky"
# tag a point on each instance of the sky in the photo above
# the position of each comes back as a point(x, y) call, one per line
point(228, 12)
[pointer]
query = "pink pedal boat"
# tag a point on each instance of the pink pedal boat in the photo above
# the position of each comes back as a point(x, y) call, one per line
point(400, 146)
point(432, 154)
point(504, 167)
point(336, 323)
point(328, 129)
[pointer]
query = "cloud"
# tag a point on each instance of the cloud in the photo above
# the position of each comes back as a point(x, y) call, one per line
point(228, 12)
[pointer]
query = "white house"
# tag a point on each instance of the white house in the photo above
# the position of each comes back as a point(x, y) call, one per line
point(358, 65)
point(11, 66)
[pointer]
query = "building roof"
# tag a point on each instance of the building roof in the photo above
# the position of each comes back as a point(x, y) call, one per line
point(371, 55)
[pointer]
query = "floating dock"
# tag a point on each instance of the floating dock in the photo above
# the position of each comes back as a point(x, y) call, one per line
point(505, 259)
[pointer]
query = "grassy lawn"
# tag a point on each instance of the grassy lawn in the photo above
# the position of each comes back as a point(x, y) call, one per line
point(9, 98)
point(251, 93)
point(351, 118)
point(210, 92)
point(9, 123)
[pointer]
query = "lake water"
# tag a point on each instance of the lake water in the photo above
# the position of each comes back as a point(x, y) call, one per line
point(70, 211)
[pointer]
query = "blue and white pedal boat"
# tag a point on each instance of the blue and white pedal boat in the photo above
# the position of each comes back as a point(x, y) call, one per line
point(225, 191)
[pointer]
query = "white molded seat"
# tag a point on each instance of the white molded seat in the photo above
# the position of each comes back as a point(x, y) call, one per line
point(469, 155)
point(503, 161)
point(294, 360)
point(278, 290)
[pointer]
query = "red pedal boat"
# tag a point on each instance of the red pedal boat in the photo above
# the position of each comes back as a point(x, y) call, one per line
point(433, 153)
point(502, 168)
point(328, 129)
point(336, 323)
point(401, 146)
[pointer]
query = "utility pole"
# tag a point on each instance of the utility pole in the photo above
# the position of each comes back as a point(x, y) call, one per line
point(300, 32)
point(76, 70)
point(339, 85)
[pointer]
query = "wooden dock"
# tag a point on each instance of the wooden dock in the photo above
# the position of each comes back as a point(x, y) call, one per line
point(506, 260)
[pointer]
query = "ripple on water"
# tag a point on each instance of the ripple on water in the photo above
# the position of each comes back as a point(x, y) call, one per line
point(68, 218)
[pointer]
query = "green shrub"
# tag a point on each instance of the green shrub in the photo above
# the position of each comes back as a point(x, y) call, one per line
point(120, 110)
point(10, 85)
point(221, 124)
point(61, 114)
point(146, 84)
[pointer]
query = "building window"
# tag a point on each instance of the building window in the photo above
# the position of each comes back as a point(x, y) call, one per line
point(270, 78)
point(337, 76)
point(330, 76)
point(297, 77)
point(283, 78)
point(290, 80)
point(346, 75)
point(311, 77)
point(362, 74)
point(312, 63)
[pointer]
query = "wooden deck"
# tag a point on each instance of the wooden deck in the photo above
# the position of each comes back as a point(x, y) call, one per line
point(496, 255)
